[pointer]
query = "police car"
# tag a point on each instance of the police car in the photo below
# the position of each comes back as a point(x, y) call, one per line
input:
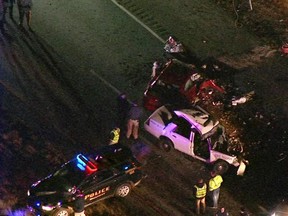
point(194, 132)
point(111, 171)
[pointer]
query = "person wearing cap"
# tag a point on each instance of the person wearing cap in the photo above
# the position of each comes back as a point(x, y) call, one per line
point(134, 116)
point(214, 187)
point(199, 191)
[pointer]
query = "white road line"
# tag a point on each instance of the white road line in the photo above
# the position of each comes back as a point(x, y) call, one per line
point(137, 20)
point(117, 91)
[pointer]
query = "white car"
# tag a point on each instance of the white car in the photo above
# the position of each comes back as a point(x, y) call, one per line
point(194, 132)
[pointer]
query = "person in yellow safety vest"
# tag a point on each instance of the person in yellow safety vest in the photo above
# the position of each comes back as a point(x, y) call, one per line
point(114, 136)
point(200, 190)
point(214, 188)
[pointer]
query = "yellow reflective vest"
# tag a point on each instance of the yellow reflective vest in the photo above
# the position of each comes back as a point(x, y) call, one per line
point(200, 192)
point(116, 135)
point(215, 182)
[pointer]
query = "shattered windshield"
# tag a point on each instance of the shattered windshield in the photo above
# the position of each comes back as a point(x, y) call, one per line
point(218, 138)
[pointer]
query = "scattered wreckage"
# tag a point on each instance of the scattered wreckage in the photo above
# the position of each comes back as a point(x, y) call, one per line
point(178, 83)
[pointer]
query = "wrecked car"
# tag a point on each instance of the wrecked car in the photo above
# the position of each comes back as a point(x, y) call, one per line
point(194, 132)
point(178, 83)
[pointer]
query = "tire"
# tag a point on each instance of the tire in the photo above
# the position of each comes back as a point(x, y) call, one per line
point(221, 167)
point(123, 190)
point(165, 145)
point(61, 212)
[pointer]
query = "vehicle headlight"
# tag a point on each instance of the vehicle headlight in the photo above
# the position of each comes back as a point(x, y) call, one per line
point(48, 207)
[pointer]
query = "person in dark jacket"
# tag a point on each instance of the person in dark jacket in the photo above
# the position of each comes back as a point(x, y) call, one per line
point(8, 5)
point(123, 107)
point(79, 204)
point(2, 16)
point(25, 10)
point(134, 116)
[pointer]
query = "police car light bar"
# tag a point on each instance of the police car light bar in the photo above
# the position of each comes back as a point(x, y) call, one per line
point(90, 167)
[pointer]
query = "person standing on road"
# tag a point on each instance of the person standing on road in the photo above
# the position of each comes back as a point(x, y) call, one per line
point(214, 188)
point(134, 116)
point(199, 192)
point(114, 136)
point(222, 212)
point(8, 4)
point(155, 69)
point(123, 107)
point(2, 17)
point(25, 9)
point(79, 204)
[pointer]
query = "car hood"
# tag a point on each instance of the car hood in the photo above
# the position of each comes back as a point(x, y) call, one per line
point(49, 197)
point(50, 185)
point(50, 191)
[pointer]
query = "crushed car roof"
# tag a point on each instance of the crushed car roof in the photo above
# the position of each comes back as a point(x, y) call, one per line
point(197, 116)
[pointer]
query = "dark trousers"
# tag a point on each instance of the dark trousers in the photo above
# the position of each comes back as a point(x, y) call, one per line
point(24, 11)
point(1, 22)
point(10, 8)
point(214, 196)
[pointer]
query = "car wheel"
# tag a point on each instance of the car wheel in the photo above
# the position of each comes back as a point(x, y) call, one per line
point(165, 145)
point(61, 212)
point(123, 190)
point(221, 167)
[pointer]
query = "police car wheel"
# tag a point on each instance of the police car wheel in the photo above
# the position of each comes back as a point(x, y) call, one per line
point(221, 167)
point(165, 145)
point(123, 190)
point(61, 212)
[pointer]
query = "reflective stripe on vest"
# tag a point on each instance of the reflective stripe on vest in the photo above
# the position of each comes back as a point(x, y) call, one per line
point(116, 136)
point(201, 192)
point(215, 183)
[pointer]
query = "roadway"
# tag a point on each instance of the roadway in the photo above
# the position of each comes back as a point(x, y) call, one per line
point(62, 80)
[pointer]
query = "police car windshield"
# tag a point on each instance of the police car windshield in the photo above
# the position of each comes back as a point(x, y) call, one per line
point(70, 174)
